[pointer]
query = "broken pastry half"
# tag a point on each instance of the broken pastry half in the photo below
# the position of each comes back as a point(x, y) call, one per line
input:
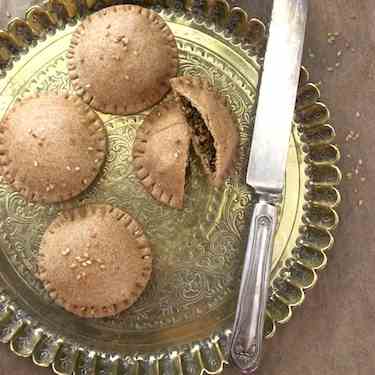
point(198, 115)
point(215, 134)
point(161, 152)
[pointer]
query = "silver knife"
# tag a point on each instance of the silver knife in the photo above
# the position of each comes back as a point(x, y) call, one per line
point(266, 173)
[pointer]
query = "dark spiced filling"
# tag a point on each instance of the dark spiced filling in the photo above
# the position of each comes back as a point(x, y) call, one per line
point(202, 137)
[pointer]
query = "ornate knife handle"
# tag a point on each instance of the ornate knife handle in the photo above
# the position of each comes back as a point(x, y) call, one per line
point(246, 344)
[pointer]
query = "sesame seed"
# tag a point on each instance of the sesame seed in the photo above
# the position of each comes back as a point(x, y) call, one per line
point(363, 179)
point(347, 45)
point(338, 64)
point(66, 251)
point(48, 189)
point(356, 190)
point(126, 77)
point(86, 255)
point(78, 259)
point(89, 262)
point(35, 163)
point(102, 267)
point(84, 264)
point(336, 34)
point(29, 131)
point(360, 202)
point(99, 260)
point(77, 169)
point(349, 175)
point(358, 115)
point(96, 161)
point(353, 50)
point(135, 53)
point(330, 69)
point(85, 181)
point(90, 148)
point(88, 86)
point(68, 168)
point(360, 162)
point(79, 277)
point(349, 156)
point(339, 53)
point(73, 266)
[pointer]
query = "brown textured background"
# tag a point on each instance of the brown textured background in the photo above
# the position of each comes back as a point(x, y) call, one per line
point(332, 333)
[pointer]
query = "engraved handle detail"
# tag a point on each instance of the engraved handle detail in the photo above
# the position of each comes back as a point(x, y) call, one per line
point(246, 345)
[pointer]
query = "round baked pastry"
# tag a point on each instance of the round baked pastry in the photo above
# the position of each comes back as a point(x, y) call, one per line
point(95, 260)
point(215, 133)
point(121, 59)
point(51, 147)
point(161, 153)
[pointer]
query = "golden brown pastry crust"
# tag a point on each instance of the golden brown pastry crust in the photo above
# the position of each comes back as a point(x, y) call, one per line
point(95, 260)
point(161, 152)
point(219, 120)
point(51, 147)
point(121, 59)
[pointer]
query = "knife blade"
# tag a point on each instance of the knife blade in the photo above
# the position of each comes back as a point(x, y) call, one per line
point(266, 173)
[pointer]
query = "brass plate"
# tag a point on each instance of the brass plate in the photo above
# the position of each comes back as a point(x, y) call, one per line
point(182, 321)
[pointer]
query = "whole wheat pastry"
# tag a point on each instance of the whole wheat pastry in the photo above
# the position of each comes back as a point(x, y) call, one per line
point(95, 261)
point(51, 146)
point(121, 59)
point(215, 133)
point(161, 152)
